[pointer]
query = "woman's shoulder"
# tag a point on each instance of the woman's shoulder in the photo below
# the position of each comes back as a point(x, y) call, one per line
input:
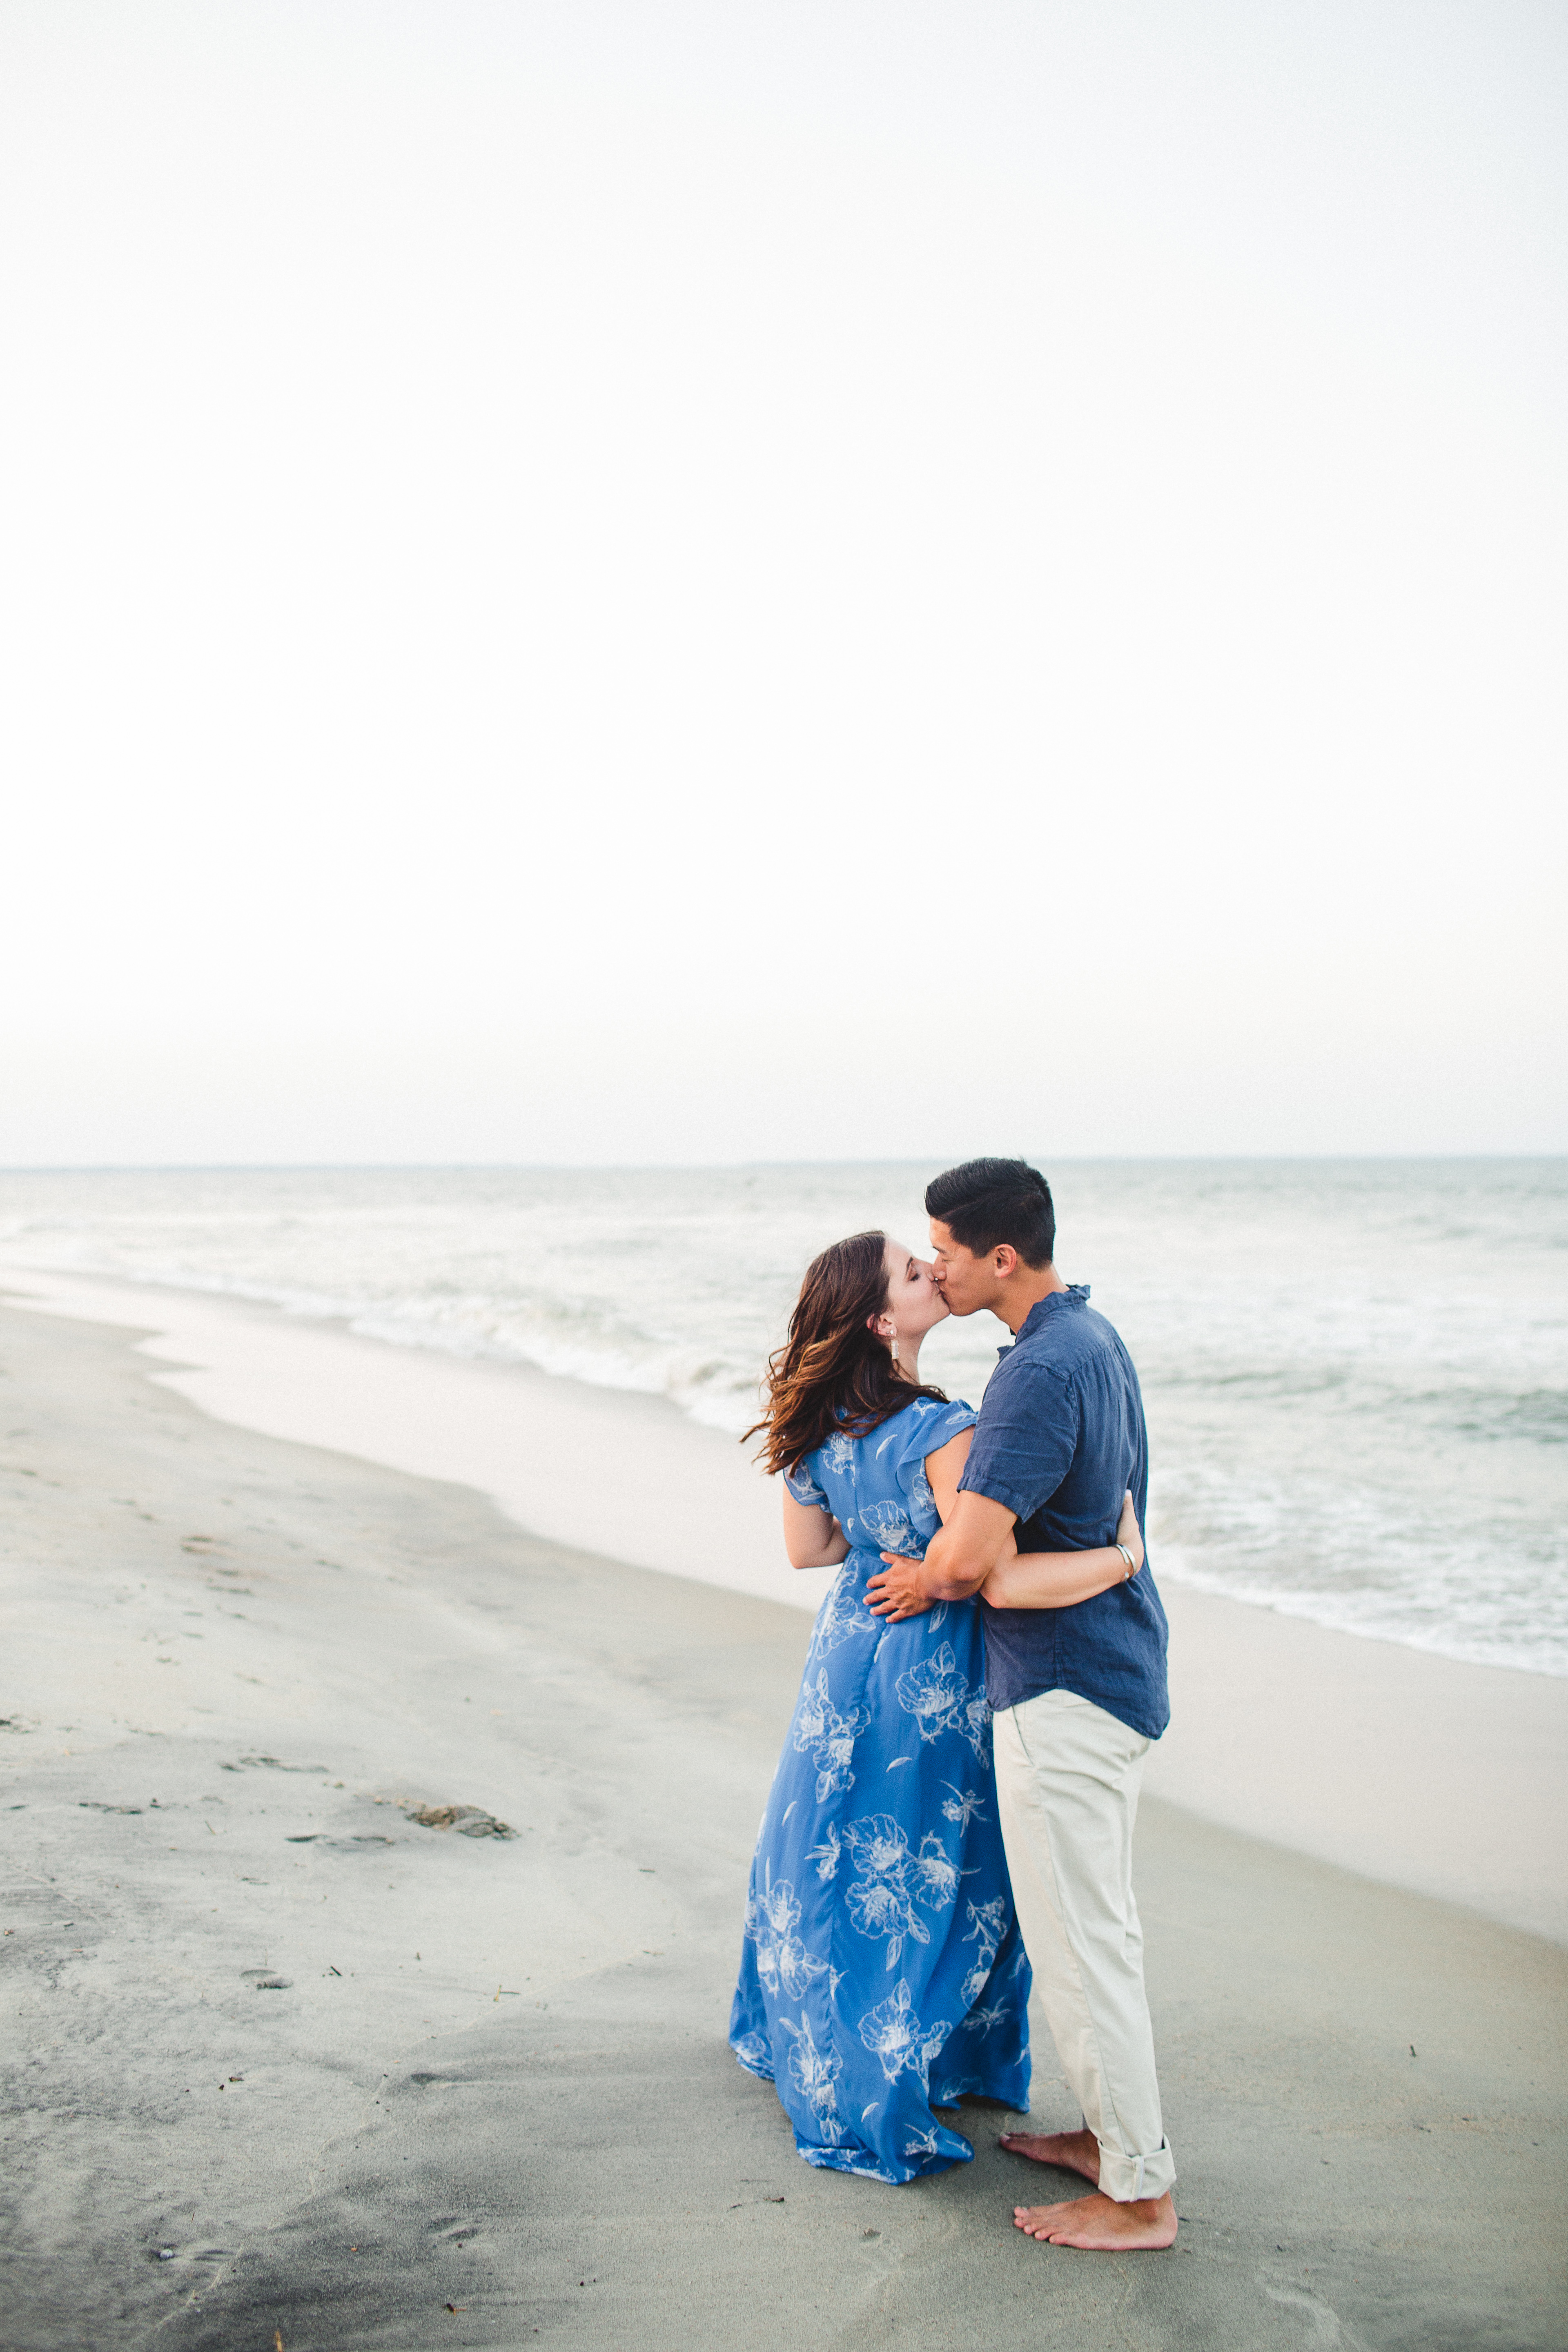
point(920, 1427)
point(928, 1423)
point(942, 1408)
point(831, 1459)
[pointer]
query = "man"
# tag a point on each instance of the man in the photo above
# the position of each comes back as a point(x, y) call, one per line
point(1079, 1693)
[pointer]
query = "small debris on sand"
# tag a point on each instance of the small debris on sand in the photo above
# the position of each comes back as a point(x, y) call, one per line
point(468, 1820)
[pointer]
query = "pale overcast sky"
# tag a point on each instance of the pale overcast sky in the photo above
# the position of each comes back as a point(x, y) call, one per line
point(783, 579)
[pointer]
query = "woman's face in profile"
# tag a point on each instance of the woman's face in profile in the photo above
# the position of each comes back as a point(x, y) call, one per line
point(913, 1300)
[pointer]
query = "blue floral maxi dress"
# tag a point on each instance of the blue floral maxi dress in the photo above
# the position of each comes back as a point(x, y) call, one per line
point(882, 1972)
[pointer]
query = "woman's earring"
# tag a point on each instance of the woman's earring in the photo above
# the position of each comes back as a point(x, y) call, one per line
point(893, 1347)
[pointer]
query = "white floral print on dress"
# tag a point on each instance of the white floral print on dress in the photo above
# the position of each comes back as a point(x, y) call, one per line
point(814, 2074)
point(880, 1901)
point(889, 1528)
point(826, 1855)
point(936, 1693)
point(987, 1922)
point(922, 1502)
point(842, 1614)
point(771, 1919)
point(962, 1807)
point(882, 1906)
point(896, 2035)
point(936, 1874)
point(830, 1737)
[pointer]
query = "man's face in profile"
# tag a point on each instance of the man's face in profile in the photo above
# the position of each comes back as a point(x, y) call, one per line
point(967, 1283)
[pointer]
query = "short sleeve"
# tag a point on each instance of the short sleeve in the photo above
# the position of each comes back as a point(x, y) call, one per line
point(1025, 1438)
point(805, 1488)
point(932, 1429)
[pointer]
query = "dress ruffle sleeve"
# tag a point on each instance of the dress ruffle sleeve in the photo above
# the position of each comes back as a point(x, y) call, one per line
point(931, 1430)
point(805, 1488)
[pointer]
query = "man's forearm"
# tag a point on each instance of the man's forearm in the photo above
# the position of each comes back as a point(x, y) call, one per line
point(950, 1572)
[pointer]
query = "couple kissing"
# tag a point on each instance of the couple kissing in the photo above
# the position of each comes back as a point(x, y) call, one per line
point(952, 1817)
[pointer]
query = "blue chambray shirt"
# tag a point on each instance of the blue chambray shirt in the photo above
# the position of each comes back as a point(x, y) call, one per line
point(1060, 1439)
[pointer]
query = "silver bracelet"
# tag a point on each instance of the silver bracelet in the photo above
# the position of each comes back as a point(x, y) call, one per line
point(1131, 1563)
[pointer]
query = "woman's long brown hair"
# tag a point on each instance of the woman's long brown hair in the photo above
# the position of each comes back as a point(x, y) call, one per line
point(833, 1372)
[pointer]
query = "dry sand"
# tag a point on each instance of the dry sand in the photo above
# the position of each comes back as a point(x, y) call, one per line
point(291, 2065)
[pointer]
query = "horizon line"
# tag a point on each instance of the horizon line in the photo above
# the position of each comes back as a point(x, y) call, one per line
point(738, 1167)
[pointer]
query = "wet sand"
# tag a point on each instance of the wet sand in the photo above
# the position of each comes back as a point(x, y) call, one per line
point(1444, 1778)
point(287, 2063)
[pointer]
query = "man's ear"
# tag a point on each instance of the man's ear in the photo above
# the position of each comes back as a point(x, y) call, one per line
point(1004, 1258)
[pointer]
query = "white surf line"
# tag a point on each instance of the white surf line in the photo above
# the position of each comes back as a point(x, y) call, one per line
point(602, 1469)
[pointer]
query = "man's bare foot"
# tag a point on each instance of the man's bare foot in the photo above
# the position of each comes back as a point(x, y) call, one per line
point(1076, 2151)
point(1099, 2225)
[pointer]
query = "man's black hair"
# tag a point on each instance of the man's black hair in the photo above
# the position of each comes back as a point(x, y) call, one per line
point(988, 1202)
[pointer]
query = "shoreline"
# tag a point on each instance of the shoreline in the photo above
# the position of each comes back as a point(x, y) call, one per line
point(1424, 1772)
point(287, 2063)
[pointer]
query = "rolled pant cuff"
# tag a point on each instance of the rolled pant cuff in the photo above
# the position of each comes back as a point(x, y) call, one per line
point(1123, 2178)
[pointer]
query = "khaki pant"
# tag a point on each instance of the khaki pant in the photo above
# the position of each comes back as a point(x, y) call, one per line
point(1067, 1777)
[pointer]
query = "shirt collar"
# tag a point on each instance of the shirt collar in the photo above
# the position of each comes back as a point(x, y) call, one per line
point(1055, 1302)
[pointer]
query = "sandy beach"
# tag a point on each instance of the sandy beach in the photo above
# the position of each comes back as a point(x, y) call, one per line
point(695, 691)
point(290, 2064)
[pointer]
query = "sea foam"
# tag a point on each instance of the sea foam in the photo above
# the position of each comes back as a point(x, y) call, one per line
point(1356, 1372)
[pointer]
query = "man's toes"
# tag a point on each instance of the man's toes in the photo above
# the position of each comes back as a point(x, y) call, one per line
point(1034, 2220)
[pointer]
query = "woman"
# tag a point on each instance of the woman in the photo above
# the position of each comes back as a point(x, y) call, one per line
point(882, 1975)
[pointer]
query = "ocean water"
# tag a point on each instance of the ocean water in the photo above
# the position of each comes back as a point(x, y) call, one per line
point(1356, 1372)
